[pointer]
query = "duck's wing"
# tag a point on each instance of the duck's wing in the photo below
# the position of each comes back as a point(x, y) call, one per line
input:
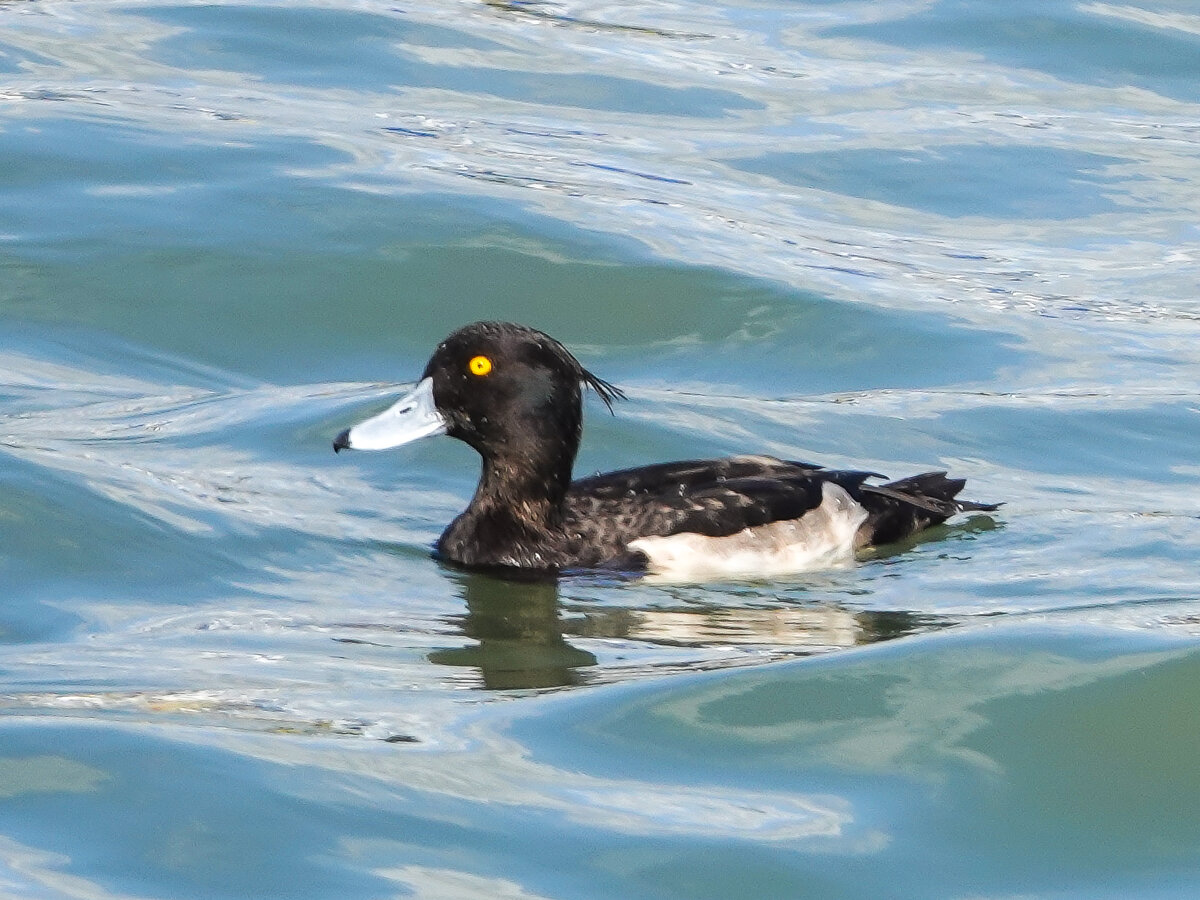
point(714, 498)
point(685, 476)
point(717, 498)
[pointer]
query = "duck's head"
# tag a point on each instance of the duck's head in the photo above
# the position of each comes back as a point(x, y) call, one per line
point(511, 392)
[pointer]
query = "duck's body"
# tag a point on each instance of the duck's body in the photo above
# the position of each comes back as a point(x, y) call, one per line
point(513, 394)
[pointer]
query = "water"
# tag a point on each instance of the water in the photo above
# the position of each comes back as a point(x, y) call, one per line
point(894, 235)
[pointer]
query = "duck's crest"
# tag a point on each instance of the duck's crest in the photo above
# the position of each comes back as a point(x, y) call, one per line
point(604, 390)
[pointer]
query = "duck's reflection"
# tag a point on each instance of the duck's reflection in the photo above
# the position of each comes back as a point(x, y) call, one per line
point(522, 633)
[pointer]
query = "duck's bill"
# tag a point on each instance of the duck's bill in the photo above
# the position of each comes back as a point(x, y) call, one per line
point(410, 418)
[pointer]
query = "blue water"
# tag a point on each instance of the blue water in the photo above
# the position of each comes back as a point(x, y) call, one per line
point(895, 236)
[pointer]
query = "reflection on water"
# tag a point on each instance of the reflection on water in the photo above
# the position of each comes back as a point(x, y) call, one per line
point(521, 633)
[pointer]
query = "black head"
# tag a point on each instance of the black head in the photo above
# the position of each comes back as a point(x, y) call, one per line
point(508, 390)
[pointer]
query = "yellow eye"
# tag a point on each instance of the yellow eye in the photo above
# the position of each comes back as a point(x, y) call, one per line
point(480, 365)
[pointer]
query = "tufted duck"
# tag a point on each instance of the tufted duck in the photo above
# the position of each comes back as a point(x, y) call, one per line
point(513, 394)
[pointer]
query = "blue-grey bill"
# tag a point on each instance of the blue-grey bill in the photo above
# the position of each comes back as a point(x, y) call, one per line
point(410, 418)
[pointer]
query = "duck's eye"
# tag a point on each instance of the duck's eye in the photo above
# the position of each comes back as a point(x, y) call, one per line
point(479, 365)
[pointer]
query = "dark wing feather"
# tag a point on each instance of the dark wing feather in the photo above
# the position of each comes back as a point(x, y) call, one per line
point(684, 476)
point(901, 508)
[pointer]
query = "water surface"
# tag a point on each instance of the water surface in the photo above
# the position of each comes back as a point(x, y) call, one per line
point(897, 237)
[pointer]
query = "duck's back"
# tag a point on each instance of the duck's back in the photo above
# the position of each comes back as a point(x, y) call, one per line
point(611, 518)
point(745, 514)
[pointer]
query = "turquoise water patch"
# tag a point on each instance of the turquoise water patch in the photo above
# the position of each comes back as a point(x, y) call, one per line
point(79, 535)
point(1014, 181)
point(356, 50)
point(207, 822)
point(83, 183)
point(1155, 444)
point(1014, 750)
point(364, 307)
point(1047, 761)
point(46, 775)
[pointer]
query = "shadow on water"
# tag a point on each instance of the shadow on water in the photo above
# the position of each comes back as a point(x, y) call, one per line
point(523, 633)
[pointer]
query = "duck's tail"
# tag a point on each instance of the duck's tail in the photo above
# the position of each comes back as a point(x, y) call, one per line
point(901, 508)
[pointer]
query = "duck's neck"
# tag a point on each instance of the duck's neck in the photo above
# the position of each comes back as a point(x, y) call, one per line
point(531, 488)
point(515, 517)
point(527, 463)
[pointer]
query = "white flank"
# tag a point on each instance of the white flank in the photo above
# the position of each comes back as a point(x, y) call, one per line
point(822, 538)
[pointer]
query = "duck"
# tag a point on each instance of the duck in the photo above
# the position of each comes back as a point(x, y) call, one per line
point(514, 394)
